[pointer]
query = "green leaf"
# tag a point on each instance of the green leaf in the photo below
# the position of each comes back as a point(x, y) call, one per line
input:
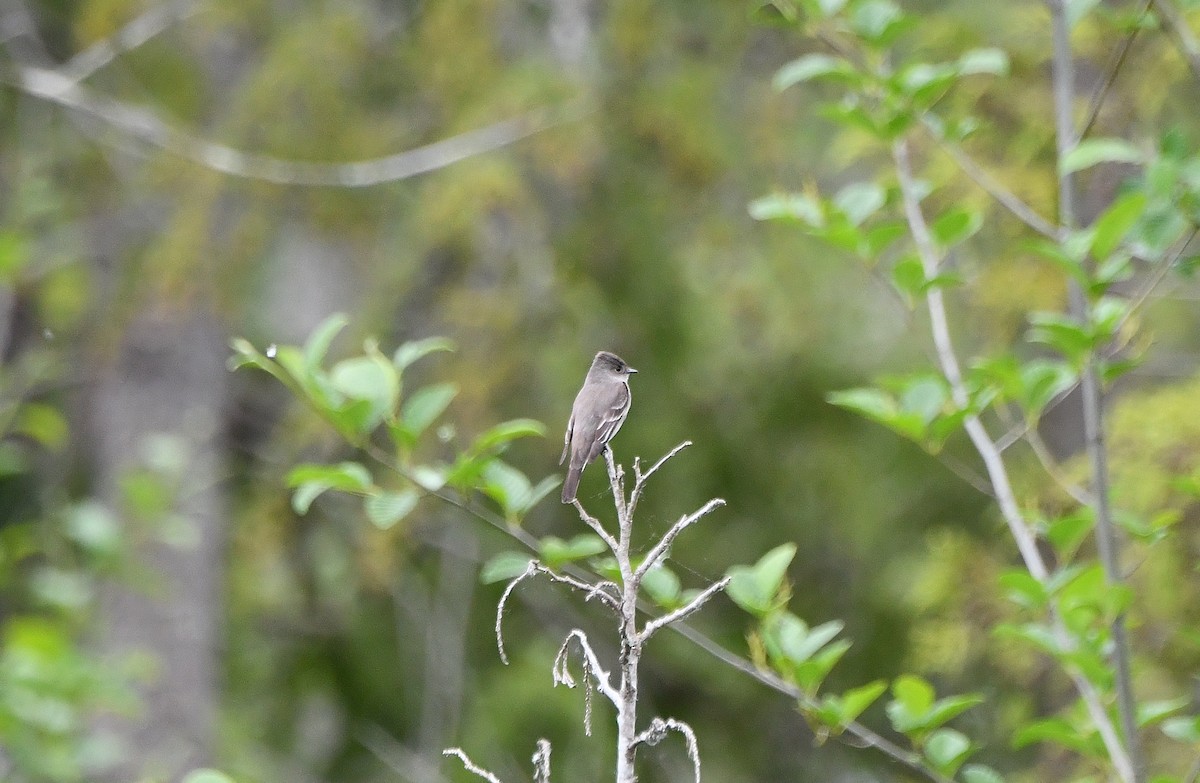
point(956, 225)
point(876, 21)
point(1183, 729)
point(947, 749)
point(756, 588)
point(1024, 589)
point(506, 485)
point(312, 480)
point(790, 640)
point(990, 60)
point(1091, 152)
point(322, 337)
point(908, 276)
point(371, 379)
point(913, 695)
point(1151, 712)
point(424, 406)
point(207, 776)
point(555, 552)
point(346, 476)
point(1115, 222)
point(1068, 532)
point(410, 352)
point(978, 773)
point(856, 700)
point(811, 66)
point(1054, 730)
point(504, 433)
point(504, 566)
point(43, 424)
point(1061, 333)
point(663, 587)
point(810, 674)
point(791, 206)
point(428, 477)
point(387, 508)
point(1041, 381)
point(94, 527)
point(859, 200)
point(914, 712)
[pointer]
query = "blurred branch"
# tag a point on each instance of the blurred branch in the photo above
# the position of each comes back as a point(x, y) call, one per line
point(1113, 68)
point(997, 474)
point(143, 124)
point(1126, 759)
point(139, 31)
point(997, 471)
point(1177, 28)
point(988, 183)
point(401, 760)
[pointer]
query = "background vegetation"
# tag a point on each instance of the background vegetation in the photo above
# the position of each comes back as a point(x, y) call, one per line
point(175, 175)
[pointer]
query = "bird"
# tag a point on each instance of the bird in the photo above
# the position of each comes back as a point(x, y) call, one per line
point(599, 411)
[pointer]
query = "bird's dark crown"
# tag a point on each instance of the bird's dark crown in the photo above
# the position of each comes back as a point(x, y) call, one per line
point(610, 361)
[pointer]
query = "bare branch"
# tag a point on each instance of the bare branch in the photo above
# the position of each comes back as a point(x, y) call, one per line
point(684, 611)
point(595, 525)
point(593, 672)
point(541, 762)
point(640, 478)
point(592, 589)
point(143, 124)
point(530, 570)
point(661, 549)
point(471, 766)
point(657, 731)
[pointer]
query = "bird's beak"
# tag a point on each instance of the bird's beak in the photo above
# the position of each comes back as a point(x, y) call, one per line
point(632, 371)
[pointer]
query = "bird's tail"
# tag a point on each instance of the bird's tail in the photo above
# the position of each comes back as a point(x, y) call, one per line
point(571, 482)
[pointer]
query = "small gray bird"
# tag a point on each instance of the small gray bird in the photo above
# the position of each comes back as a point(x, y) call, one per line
point(599, 411)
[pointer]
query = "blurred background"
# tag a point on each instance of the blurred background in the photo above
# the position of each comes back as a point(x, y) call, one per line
point(169, 180)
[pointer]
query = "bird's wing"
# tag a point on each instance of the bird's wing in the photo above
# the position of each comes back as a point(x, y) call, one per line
point(612, 416)
point(567, 438)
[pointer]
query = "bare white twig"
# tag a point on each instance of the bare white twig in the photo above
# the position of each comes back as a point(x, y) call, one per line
point(640, 478)
point(595, 525)
point(594, 674)
point(541, 762)
point(685, 611)
point(657, 731)
point(591, 589)
point(471, 766)
point(661, 549)
point(530, 570)
point(143, 124)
